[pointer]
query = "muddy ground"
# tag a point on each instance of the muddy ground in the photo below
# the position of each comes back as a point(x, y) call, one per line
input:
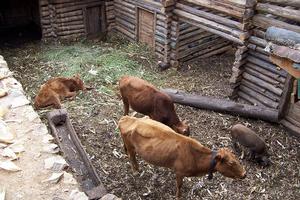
point(95, 115)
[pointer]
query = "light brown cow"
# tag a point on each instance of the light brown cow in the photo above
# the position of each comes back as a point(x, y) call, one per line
point(160, 145)
point(56, 89)
point(146, 99)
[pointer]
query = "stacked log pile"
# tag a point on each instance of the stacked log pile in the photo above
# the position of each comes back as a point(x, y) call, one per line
point(194, 43)
point(205, 28)
point(64, 18)
point(263, 83)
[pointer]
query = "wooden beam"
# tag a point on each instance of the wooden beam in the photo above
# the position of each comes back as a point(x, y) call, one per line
point(223, 105)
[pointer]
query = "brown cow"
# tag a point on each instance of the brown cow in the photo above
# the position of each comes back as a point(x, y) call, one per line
point(160, 145)
point(146, 99)
point(57, 89)
point(248, 138)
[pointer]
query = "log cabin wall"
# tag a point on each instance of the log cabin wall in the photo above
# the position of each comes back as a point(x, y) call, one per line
point(262, 82)
point(147, 21)
point(66, 19)
point(196, 43)
point(110, 14)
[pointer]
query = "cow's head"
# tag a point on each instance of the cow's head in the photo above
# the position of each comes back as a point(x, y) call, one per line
point(228, 165)
point(182, 128)
point(79, 82)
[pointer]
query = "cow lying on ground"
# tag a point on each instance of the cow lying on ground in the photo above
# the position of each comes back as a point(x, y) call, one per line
point(160, 145)
point(252, 141)
point(146, 99)
point(57, 89)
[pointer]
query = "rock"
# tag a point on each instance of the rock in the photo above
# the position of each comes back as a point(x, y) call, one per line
point(77, 195)
point(9, 166)
point(2, 193)
point(6, 136)
point(3, 92)
point(55, 163)
point(17, 147)
point(69, 179)
point(51, 148)
point(8, 152)
point(3, 111)
point(47, 138)
point(54, 178)
point(4, 73)
point(110, 197)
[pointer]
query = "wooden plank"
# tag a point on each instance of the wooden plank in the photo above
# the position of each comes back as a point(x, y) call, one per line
point(285, 99)
point(146, 27)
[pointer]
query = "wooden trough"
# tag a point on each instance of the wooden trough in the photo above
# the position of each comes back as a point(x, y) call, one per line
point(74, 154)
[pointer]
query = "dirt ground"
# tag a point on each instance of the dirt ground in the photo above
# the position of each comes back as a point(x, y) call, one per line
point(95, 115)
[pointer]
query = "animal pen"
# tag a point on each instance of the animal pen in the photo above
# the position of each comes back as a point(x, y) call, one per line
point(185, 30)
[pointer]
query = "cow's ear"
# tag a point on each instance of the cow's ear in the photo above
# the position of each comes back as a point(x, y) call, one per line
point(219, 158)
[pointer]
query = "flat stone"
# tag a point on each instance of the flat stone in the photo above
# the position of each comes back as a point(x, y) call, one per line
point(55, 163)
point(50, 148)
point(69, 179)
point(54, 178)
point(77, 195)
point(110, 197)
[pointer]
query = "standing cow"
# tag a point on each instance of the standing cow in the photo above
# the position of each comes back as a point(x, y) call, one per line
point(146, 99)
point(159, 145)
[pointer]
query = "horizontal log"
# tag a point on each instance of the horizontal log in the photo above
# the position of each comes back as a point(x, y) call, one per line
point(266, 22)
point(294, 130)
point(227, 9)
point(258, 41)
point(212, 30)
point(125, 32)
point(261, 98)
point(260, 90)
point(265, 72)
point(280, 11)
point(295, 3)
point(210, 16)
point(70, 32)
point(208, 23)
point(216, 51)
point(262, 83)
point(222, 105)
point(266, 65)
point(262, 77)
point(249, 99)
point(282, 36)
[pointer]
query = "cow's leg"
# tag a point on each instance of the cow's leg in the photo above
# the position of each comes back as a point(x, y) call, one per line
point(179, 181)
point(125, 105)
point(134, 164)
point(70, 95)
point(125, 148)
point(55, 101)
